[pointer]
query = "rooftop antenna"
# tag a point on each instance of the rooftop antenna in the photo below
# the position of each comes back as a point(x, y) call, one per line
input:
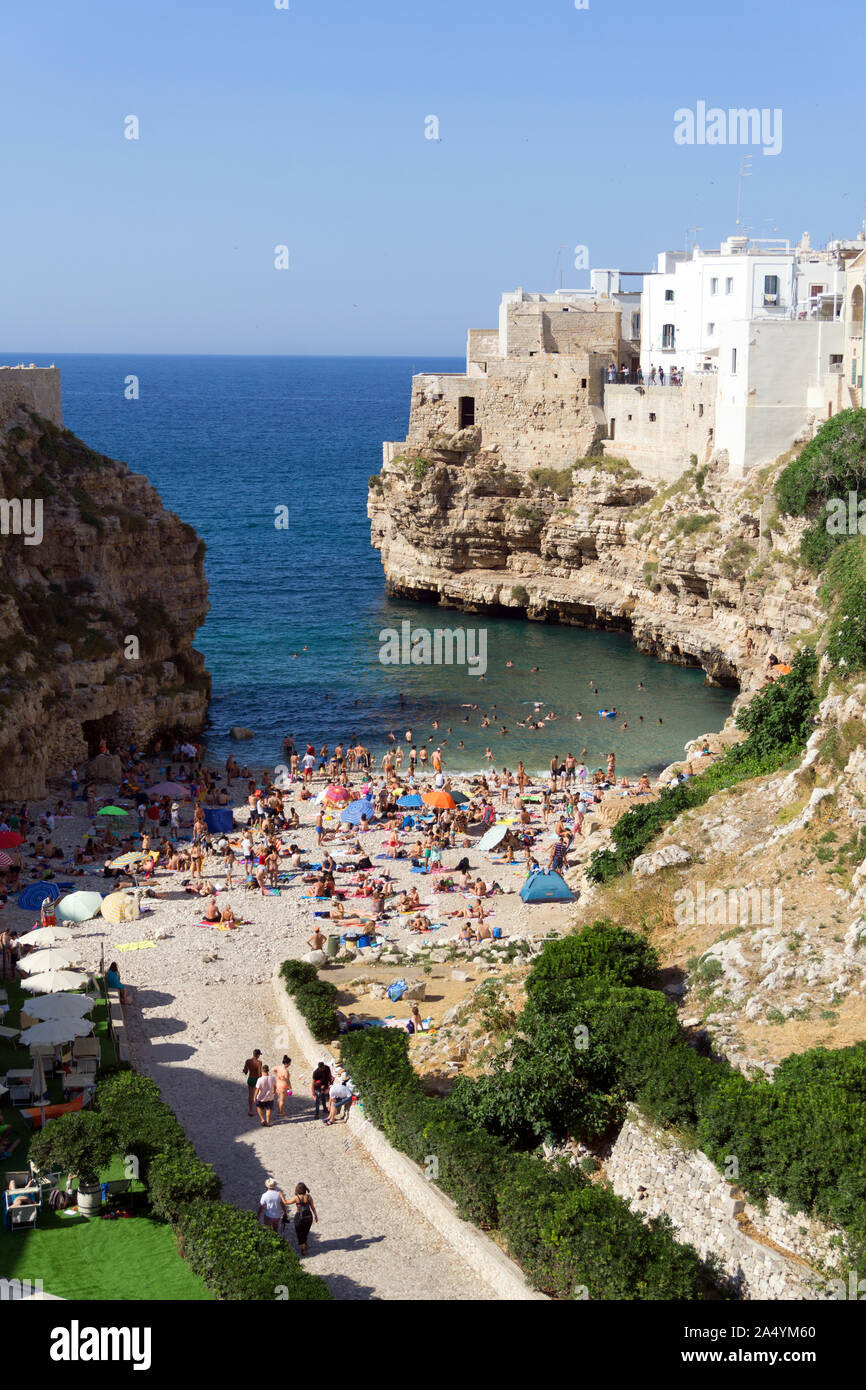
point(745, 172)
point(692, 236)
point(562, 247)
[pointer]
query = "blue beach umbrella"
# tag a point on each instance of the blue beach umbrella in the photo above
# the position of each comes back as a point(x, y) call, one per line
point(355, 810)
point(411, 802)
point(34, 895)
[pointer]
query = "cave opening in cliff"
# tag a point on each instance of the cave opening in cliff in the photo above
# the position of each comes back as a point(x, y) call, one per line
point(98, 731)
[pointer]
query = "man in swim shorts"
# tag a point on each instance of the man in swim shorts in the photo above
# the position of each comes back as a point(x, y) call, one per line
point(252, 1071)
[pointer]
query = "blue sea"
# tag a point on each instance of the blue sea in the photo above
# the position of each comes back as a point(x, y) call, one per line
point(228, 441)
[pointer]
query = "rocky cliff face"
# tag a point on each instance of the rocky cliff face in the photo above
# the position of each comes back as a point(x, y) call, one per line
point(690, 570)
point(97, 614)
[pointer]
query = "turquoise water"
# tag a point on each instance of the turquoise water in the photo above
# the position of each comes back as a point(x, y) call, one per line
point(227, 441)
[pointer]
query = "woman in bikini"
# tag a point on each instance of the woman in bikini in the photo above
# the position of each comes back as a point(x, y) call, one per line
point(283, 1078)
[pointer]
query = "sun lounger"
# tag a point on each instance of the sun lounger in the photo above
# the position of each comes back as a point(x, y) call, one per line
point(23, 1218)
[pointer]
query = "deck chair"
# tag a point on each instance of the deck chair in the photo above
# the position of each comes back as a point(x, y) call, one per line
point(49, 1179)
point(19, 1095)
point(23, 1218)
point(19, 1179)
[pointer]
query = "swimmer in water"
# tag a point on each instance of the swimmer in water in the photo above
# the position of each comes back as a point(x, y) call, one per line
point(660, 720)
point(533, 669)
point(640, 685)
point(578, 715)
point(508, 665)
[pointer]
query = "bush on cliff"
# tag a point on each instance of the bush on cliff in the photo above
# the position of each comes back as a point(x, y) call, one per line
point(778, 721)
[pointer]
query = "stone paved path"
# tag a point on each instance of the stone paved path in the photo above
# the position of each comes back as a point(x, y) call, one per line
point(370, 1243)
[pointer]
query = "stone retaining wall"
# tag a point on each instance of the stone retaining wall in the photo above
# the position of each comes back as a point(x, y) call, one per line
point(657, 1177)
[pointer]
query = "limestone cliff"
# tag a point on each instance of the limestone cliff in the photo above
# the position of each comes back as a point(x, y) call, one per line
point(97, 616)
point(689, 569)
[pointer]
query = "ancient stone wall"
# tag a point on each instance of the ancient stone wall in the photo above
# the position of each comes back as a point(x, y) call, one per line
point(657, 1177)
point(659, 428)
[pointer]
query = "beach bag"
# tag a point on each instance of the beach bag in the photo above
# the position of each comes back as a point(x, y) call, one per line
point(397, 990)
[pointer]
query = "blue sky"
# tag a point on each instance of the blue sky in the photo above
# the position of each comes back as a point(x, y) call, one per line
point(306, 127)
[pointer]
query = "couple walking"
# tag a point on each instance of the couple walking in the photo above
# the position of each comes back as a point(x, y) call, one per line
point(265, 1086)
point(274, 1209)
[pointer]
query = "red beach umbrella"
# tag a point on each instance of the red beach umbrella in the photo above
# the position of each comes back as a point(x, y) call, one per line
point(10, 839)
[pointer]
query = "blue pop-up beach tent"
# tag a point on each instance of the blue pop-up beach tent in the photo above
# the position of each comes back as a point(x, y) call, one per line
point(546, 886)
point(219, 819)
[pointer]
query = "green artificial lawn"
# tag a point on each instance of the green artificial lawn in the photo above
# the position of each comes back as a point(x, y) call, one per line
point(130, 1258)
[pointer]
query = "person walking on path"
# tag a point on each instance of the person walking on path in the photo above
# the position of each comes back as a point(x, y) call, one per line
point(252, 1071)
point(283, 1079)
point(266, 1089)
point(305, 1214)
point(272, 1205)
point(323, 1079)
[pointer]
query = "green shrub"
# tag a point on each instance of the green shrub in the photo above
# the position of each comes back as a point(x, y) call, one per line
point(240, 1260)
point(177, 1176)
point(688, 525)
point(138, 1118)
point(778, 721)
point(296, 973)
point(519, 594)
point(558, 480)
point(567, 1232)
point(316, 1002)
point(844, 593)
point(602, 951)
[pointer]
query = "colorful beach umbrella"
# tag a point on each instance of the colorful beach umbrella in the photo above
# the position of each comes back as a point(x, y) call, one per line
point(356, 810)
point(5, 859)
point(51, 981)
point(47, 936)
point(120, 907)
point(112, 811)
point(60, 1006)
point(459, 798)
point(124, 861)
point(10, 839)
point(52, 958)
point(337, 794)
point(34, 895)
point(79, 907)
point(442, 801)
point(410, 802)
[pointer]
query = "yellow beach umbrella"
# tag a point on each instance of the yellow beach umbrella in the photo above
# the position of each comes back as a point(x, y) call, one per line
point(120, 907)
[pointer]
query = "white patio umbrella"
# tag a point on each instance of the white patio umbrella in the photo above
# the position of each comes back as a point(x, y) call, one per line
point(56, 1030)
point(47, 936)
point(38, 1085)
point(60, 1006)
point(52, 958)
point(51, 980)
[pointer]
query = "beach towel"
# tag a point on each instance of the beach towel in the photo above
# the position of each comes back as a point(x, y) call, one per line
point(135, 946)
